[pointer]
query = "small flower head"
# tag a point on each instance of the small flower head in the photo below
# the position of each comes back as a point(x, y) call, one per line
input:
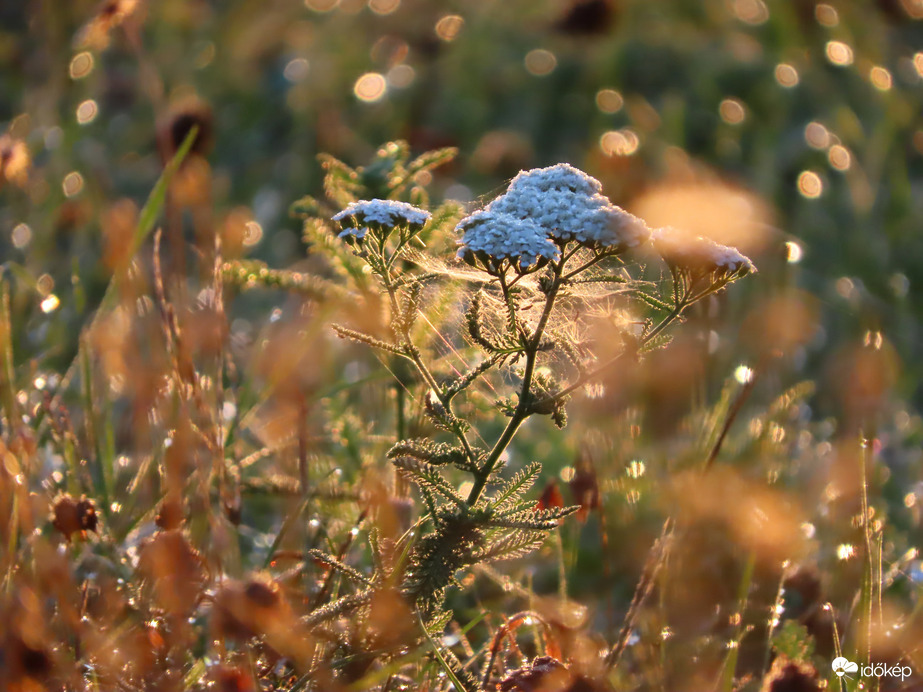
point(493, 237)
point(380, 215)
point(701, 256)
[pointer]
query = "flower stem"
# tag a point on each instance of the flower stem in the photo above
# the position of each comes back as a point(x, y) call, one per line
point(523, 406)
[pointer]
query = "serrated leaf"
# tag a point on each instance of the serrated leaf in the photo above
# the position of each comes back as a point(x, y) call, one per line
point(514, 488)
point(427, 476)
point(432, 159)
point(533, 520)
point(435, 453)
point(511, 546)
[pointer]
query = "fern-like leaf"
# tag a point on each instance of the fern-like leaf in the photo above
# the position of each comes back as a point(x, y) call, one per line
point(480, 331)
point(409, 309)
point(532, 520)
point(511, 546)
point(429, 160)
point(435, 453)
point(427, 476)
point(341, 183)
point(253, 274)
point(465, 381)
point(511, 492)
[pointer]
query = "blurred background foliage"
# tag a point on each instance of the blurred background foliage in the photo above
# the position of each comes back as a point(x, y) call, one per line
point(754, 122)
point(791, 129)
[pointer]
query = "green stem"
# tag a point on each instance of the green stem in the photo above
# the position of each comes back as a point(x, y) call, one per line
point(413, 353)
point(522, 408)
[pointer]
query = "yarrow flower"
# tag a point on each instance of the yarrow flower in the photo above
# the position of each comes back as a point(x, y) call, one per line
point(491, 236)
point(379, 214)
point(691, 252)
point(565, 204)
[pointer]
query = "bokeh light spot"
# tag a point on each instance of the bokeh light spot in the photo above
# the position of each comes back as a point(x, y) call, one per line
point(846, 551)
point(826, 15)
point(296, 70)
point(540, 62)
point(622, 142)
point(793, 252)
point(732, 111)
point(880, 78)
point(370, 87)
point(72, 184)
point(839, 53)
point(810, 185)
point(50, 303)
point(321, 5)
point(21, 236)
point(609, 101)
point(81, 65)
point(816, 135)
point(839, 157)
point(743, 374)
point(253, 233)
point(384, 7)
point(87, 112)
point(401, 76)
point(753, 12)
point(786, 75)
point(45, 284)
point(449, 26)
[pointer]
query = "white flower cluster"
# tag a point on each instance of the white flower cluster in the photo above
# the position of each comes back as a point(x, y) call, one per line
point(556, 203)
point(357, 217)
point(502, 236)
point(688, 251)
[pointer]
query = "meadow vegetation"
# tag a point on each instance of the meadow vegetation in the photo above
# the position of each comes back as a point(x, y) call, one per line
point(395, 345)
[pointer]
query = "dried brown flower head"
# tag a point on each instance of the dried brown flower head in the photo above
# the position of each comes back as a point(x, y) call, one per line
point(231, 679)
point(546, 674)
point(174, 570)
point(789, 676)
point(109, 15)
point(70, 516)
point(180, 121)
point(584, 487)
point(170, 515)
